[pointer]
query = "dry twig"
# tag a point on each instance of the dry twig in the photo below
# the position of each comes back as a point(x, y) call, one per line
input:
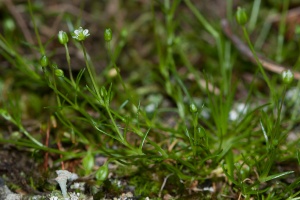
point(242, 47)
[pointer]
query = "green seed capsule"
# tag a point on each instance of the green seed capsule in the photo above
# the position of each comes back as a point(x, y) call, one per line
point(103, 92)
point(44, 61)
point(287, 76)
point(241, 16)
point(62, 37)
point(88, 162)
point(102, 172)
point(107, 35)
point(193, 108)
point(59, 73)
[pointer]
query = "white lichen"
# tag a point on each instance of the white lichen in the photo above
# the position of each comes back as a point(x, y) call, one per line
point(62, 177)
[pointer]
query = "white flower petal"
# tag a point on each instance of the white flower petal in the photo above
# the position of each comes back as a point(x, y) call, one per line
point(80, 34)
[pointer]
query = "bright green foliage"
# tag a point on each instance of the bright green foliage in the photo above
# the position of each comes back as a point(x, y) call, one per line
point(172, 103)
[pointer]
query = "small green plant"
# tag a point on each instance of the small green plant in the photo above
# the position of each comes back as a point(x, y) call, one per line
point(158, 109)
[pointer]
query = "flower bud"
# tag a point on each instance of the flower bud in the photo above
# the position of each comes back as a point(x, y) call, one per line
point(124, 33)
point(193, 108)
point(103, 92)
point(62, 37)
point(287, 76)
point(59, 73)
point(107, 35)
point(88, 162)
point(44, 61)
point(9, 24)
point(102, 172)
point(241, 16)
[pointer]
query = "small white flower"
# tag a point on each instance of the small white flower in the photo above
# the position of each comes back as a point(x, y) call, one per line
point(80, 34)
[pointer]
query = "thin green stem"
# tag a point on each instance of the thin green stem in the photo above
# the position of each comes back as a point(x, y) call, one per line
point(90, 73)
point(54, 85)
point(282, 25)
point(254, 14)
point(20, 126)
point(42, 50)
point(217, 37)
point(297, 64)
point(279, 114)
point(69, 65)
point(113, 63)
point(103, 102)
point(266, 78)
point(229, 9)
point(115, 126)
